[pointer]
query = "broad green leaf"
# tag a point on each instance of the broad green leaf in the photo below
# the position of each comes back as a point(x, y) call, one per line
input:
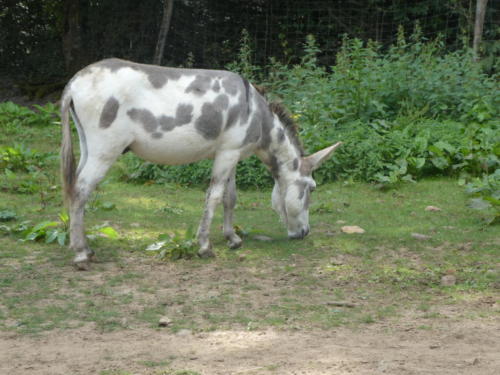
point(442, 145)
point(435, 150)
point(45, 224)
point(5, 228)
point(419, 162)
point(108, 232)
point(33, 236)
point(61, 238)
point(108, 206)
point(7, 215)
point(440, 162)
point(63, 216)
point(51, 236)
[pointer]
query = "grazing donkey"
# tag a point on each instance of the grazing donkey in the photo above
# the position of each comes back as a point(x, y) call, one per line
point(179, 116)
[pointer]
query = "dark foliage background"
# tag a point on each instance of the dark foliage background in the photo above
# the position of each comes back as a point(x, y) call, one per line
point(206, 33)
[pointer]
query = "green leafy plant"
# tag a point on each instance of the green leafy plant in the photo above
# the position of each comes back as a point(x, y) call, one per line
point(15, 229)
point(243, 64)
point(22, 159)
point(17, 115)
point(175, 246)
point(169, 209)
point(102, 230)
point(7, 215)
point(486, 196)
point(95, 203)
point(48, 231)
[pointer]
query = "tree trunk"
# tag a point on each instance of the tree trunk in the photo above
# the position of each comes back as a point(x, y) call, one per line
point(168, 6)
point(72, 38)
point(478, 27)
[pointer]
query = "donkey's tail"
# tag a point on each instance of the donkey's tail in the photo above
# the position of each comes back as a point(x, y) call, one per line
point(68, 173)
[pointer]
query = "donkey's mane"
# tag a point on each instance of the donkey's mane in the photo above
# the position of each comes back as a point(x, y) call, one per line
point(285, 117)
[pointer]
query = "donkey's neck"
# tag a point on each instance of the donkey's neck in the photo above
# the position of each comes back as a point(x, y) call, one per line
point(281, 155)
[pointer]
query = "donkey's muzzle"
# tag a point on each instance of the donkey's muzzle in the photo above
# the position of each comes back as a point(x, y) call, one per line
point(300, 235)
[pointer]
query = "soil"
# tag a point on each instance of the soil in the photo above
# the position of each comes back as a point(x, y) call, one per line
point(450, 348)
point(448, 345)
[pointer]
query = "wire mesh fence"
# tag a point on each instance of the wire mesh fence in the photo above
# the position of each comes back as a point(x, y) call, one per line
point(206, 33)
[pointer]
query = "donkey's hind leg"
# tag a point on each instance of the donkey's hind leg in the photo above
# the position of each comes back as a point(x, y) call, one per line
point(229, 201)
point(224, 164)
point(90, 175)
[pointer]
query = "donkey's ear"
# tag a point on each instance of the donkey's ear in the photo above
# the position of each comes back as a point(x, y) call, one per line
point(315, 160)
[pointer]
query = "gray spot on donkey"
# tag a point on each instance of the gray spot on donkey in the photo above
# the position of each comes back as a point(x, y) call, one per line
point(209, 124)
point(201, 128)
point(150, 123)
point(109, 112)
point(199, 86)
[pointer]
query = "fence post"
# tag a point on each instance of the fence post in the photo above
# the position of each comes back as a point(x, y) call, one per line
point(478, 27)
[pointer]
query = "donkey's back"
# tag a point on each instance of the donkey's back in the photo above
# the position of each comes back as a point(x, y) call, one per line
point(164, 115)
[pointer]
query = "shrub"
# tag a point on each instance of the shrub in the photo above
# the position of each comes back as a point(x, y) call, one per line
point(16, 115)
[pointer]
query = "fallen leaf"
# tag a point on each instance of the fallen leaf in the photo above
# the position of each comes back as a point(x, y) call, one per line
point(351, 229)
point(419, 236)
point(432, 208)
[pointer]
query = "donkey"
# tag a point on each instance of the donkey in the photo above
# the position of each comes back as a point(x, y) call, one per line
point(178, 116)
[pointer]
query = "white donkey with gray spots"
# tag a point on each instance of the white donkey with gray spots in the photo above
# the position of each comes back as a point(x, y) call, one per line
point(178, 116)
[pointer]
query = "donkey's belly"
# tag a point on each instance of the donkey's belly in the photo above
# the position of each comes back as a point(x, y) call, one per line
point(173, 148)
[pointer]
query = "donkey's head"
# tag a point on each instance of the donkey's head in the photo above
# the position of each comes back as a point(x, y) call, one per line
point(291, 195)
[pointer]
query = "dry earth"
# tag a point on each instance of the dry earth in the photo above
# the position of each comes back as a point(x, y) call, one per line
point(449, 345)
point(450, 348)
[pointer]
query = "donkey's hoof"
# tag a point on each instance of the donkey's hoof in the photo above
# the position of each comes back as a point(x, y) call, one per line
point(235, 243)
point(82, 265)
point(206, 253)
point(82, 261)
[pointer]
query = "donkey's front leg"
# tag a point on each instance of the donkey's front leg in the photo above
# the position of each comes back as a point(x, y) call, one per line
point(229, 201)
point(224, 164)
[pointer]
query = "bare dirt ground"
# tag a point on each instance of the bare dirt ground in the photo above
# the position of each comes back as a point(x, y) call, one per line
point(448, 345)
point(450, 348)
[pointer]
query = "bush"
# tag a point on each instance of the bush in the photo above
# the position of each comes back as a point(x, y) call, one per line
point(14, 115)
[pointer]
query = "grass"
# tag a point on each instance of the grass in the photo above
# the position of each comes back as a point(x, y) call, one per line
point(386, 273)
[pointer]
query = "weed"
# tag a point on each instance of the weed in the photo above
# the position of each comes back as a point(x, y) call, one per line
point(486, 193)
point(155, 363)
point(175, 246)
point(54, 231)
point(7, 215)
